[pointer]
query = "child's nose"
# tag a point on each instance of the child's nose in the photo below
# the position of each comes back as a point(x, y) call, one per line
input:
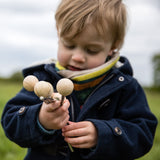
point(78, 55)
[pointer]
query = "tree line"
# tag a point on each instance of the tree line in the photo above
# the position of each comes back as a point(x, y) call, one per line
point(156, 71)
point(15, 77)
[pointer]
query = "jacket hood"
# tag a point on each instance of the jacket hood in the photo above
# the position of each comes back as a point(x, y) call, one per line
point(124, 66)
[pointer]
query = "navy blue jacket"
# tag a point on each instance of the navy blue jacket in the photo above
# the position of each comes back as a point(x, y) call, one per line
point(117, 107)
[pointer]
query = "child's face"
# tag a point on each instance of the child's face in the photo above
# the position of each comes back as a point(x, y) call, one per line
point(88, 50)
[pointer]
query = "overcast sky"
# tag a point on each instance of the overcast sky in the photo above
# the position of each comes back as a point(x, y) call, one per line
point(28, 34)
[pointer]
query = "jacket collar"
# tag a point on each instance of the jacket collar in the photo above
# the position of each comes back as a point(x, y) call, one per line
point(116, 79)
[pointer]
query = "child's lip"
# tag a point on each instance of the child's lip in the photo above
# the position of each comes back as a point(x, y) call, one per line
point(73, 68)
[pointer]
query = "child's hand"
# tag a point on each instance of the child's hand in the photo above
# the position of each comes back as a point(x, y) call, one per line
point(54, 116)
point(80, 134)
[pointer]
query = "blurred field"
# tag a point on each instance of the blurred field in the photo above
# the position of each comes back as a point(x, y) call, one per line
point(11, 151)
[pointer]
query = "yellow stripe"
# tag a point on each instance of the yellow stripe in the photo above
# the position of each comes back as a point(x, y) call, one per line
point(96, 73)
point(59, 66)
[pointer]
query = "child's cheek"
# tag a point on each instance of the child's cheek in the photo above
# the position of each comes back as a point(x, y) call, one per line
point(95, 62)
point(62, 58)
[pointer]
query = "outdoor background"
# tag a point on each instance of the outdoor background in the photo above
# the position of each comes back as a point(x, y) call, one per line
point(28, 34)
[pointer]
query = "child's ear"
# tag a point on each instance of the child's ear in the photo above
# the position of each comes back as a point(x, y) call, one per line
point(110, 52)
point(114, 48)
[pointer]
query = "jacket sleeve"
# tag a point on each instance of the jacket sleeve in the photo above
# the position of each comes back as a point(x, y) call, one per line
point(130, 133)
point(20, 118)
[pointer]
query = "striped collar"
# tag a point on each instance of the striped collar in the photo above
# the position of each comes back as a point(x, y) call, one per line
point(87, 78)
point(88, 74)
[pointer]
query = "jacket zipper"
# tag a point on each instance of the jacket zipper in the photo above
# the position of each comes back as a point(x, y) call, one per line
point(72, 109)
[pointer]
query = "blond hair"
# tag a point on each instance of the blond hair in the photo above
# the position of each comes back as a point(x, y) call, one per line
point(108, 16)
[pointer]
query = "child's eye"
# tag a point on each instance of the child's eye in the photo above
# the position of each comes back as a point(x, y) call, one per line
point(91, 51)
point(69, 46)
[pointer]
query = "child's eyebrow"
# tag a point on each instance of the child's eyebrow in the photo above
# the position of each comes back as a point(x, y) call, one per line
point(94, 44)
point(88, 44)
point(66, 40)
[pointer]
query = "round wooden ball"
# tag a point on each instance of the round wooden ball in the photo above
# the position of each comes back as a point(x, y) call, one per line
point(65, 86)
point(43, 89)
point(29, 82)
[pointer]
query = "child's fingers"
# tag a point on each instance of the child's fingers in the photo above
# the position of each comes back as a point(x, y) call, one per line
point(80, 134)
point(74, 126)
point(78, 142)
point(51, 106)
point(65, 105)
point(86, 141)
point(61, 110)
point(64, 121)
point(75, 133)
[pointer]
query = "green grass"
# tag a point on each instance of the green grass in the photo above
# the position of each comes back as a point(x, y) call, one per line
point(154, 102)
point(11, 151)
point(8, 149)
